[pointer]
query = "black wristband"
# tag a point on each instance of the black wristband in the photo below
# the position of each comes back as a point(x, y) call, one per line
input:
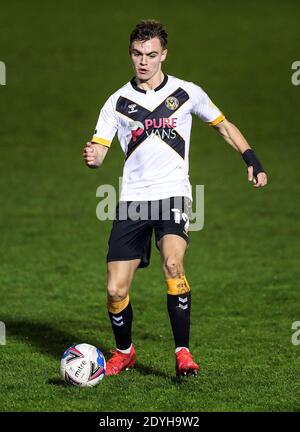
point(251, 160)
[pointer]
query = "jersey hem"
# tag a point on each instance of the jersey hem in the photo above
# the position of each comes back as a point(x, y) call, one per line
point(132, 197)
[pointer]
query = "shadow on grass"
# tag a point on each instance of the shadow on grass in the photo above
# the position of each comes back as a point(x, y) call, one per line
point(59, 382)
point(51, 341)
point(48, 339)
point(146, 370)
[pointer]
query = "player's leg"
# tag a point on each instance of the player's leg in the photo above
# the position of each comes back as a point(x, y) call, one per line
point(129, 247)
point(172, 249)
point(119, 278)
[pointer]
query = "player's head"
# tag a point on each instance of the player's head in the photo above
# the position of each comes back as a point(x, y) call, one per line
point(148, 48)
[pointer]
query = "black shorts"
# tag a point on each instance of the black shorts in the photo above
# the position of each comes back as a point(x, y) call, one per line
point(131, 233)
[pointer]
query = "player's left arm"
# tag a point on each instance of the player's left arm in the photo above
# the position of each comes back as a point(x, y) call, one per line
point(231, 134)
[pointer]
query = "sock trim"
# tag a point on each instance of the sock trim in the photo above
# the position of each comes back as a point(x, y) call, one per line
point(117, 306)
point(126, 351)
point(178, 286)
point(180, 348)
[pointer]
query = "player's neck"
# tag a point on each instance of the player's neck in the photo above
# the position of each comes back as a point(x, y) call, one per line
point(152, 83)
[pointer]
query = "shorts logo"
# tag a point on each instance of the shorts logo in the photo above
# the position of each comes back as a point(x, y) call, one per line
point(172, 103)
point(178, 216)
point(187, 222)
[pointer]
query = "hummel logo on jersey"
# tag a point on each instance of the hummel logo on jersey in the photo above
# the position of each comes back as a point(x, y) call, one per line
point(131, 108)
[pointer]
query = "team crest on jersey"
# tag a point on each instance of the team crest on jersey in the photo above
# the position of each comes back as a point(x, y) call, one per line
point(172, 103)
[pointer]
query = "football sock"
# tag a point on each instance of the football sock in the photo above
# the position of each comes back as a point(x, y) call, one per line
point(179, 348)
point(179, 307)
point(127, 351)
point(120, 314)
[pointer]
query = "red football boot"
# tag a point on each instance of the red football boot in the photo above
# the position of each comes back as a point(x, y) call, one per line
point(185, 364)
point(120, 361)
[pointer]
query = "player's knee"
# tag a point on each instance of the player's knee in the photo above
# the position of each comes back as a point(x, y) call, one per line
point(117, 291)
point(117, 285)
point(172, 267)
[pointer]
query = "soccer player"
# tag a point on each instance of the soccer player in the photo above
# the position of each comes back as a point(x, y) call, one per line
point(153, 115)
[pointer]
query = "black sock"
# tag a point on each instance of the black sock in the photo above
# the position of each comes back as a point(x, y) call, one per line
point(179, 307)
point(121, 325)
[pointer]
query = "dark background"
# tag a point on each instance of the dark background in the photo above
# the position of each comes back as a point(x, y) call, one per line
point(63, 59)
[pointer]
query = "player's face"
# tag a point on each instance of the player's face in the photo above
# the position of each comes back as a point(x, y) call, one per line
point(147, 57)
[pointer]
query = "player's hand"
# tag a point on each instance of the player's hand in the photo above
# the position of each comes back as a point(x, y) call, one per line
point(91, 155)
point(258, 181)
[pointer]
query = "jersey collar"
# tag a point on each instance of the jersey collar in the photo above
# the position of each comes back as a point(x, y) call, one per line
point(161, 85)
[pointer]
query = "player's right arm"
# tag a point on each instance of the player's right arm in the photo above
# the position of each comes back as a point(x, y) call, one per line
point(96, 149)
point(94, 154)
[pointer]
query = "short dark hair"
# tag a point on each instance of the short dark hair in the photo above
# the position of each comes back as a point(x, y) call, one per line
point(148, 29)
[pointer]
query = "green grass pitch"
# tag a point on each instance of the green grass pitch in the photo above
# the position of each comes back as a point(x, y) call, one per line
point(63, 59)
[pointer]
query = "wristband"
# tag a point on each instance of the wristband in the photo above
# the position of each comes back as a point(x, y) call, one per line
point(251, 160)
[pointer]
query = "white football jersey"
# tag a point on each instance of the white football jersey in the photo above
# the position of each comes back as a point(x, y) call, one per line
point(154, 129)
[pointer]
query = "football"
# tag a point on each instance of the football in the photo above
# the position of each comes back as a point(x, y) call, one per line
point(83, 365)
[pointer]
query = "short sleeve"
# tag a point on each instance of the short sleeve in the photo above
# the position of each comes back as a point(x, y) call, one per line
point(203, 107)
point(107, 124)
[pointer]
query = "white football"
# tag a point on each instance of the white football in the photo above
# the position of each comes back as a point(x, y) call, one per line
point(83, 365)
